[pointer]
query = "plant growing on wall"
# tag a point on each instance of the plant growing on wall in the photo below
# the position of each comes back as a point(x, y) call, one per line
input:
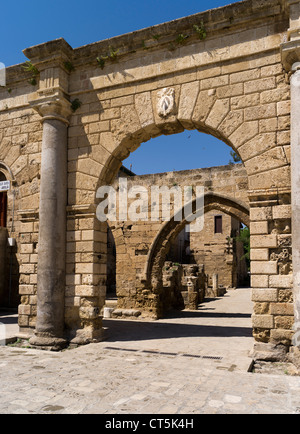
point(156, 37)
point(69, 66)
point(181, 38)
point(200, 30)
point(111, 55)
point(75, 105)
point(101, 61)
point(29, 67)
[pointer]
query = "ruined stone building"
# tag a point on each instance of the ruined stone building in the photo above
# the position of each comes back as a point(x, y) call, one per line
point(74, 115)
point(214, 247)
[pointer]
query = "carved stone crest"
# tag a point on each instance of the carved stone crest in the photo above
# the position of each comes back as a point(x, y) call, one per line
point(166, 102)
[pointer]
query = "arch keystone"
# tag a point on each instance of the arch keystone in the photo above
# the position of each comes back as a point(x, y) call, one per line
point(188, 98)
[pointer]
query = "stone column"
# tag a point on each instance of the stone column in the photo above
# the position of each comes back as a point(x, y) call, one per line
point(51, 101)
point(215, 283)
point(52, 223)
point(290, 53)
point(295, 175)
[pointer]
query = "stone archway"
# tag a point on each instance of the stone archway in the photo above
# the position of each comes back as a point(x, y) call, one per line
point(152, 279)
point(231, 84)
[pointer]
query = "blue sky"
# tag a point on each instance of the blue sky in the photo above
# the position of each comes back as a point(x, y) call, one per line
point(31, 22)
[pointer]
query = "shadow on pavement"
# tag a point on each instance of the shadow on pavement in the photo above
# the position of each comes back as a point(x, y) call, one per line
point(124, 330)
point(10, 317)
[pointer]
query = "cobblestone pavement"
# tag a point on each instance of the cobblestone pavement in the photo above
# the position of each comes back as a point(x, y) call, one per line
point(194, 363)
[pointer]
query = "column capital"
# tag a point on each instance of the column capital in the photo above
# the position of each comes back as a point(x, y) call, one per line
point(52, 61)
point(290, 50)
point(290, 55)
point(53, 106)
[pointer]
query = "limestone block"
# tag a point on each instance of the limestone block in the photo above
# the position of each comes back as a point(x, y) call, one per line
point(282, 309)
point(259, 228)
point(218, 113)
point(284, 322)
point(275, 95)
point(259, 254)
point(245, 76)
point(283, 108)
point(261, 308)
point(84, 268)
point(232, 121)
point(211, 83)
point(260, 112)
point(244, 133)
point(260, 85)
point(281, 336)
point(127, 125)
point(187, 101)
point(264, 295)
point(263, 321)
point(26, 290)
point(285, 296)
point(267, 161)
point(268, 125)
point(281, 281)
point(86, 291)
point(73, 279)
point(26, 227)
point(23, 320)
point(264, 267)
point(143, 106)
point(27, 269)
point(110, 113)
point(263, 241)
point(261, 213)
point(243, 101)
point(24, 309)
point(282, 212)
point(26, 248)
point(257, 145)
point(230, 90)
point(204, 103)
point(89, 312)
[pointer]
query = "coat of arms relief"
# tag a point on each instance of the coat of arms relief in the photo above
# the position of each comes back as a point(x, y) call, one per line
point(166, 102)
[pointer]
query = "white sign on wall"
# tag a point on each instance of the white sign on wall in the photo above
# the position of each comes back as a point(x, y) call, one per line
point(4, 185)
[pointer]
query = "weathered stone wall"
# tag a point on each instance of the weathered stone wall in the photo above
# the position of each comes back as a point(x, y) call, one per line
point(231, 84)
point(20, 146)
point(220, 252)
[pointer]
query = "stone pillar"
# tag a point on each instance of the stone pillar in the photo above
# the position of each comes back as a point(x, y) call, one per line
point(51, 101)
point(215, 284)
point(52, 222)
point(295, 173)
point(290, 53)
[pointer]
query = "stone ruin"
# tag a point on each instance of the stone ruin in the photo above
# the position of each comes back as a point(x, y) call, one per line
point(184, 285)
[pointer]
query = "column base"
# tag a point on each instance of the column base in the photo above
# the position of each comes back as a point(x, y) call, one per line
point(269, 352)
point(88, 336)
point(47, 342)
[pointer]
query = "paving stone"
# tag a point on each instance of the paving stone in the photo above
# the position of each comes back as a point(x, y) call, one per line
point(93, 379)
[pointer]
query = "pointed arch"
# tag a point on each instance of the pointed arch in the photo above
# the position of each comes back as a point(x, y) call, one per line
point(159, 248)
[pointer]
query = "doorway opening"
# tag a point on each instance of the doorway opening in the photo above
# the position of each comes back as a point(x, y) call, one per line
point(216, 250)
